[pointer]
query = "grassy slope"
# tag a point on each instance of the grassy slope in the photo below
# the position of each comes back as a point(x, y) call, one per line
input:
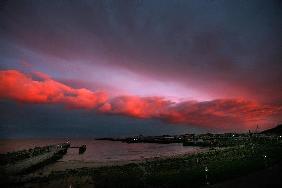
point(276, 130)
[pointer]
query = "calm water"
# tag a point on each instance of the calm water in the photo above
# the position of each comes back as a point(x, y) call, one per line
point(102, 151)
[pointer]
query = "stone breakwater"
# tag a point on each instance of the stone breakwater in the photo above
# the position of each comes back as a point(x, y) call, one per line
point(28, 160)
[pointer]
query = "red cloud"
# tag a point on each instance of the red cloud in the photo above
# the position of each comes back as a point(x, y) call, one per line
point(222, 113)
point(141, 107)
point(21, 87)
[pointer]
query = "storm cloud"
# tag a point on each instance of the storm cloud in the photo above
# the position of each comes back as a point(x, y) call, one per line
point(202, 63)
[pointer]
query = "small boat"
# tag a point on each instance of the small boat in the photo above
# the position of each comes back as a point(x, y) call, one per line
point(82, 149)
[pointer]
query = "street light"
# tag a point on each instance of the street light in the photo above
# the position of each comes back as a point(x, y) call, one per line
point(206, 171)
point(265, 160)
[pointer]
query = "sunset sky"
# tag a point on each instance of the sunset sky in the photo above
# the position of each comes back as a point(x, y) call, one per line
point(118, 68)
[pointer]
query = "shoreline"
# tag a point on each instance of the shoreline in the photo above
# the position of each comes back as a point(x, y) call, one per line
point(76, 164)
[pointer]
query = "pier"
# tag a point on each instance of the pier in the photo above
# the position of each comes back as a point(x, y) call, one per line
point(28, 160)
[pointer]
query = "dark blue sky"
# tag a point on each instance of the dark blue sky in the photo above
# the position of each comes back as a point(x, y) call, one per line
point(41, 121)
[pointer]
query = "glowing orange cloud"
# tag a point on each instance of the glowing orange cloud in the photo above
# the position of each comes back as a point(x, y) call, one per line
point(223, 113)
point(21, 87)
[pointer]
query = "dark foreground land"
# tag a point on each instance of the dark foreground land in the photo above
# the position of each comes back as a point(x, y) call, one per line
point(236, 166)
point(269, 177)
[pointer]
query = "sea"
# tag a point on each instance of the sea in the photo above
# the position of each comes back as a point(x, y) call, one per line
point(102, 150)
